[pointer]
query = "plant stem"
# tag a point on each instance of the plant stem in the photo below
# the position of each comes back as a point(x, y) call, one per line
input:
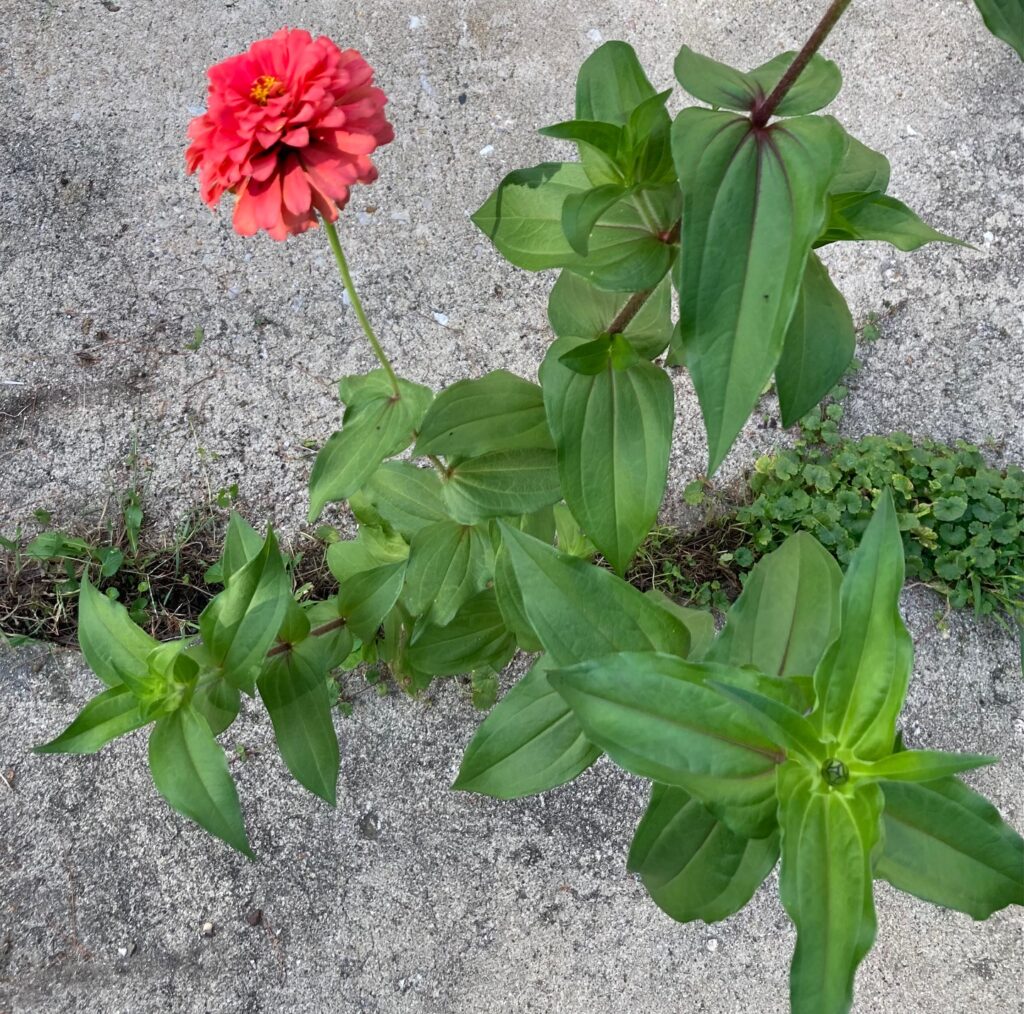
point(629, 311)
point(346, 278)
point(326, 628)
point(764, 110)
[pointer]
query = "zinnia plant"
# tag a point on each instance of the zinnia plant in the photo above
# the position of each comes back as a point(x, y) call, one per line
point(776, 738)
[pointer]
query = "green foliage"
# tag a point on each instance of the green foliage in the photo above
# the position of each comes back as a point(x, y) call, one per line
point(1005, 19)
point(751, 759)
point(962, 521)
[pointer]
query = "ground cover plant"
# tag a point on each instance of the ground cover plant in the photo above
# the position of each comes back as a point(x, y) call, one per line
point(775, 747)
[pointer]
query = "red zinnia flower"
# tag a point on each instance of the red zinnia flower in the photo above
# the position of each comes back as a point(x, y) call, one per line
point(289, 127)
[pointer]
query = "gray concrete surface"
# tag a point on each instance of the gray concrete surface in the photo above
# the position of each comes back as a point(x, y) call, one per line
point(409, 898)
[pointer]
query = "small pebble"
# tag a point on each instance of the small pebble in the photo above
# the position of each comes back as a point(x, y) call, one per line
point(487, 149)
point(441, 318)
point(207, 929)
point(594, 35)
point(415, 22)
point(712, 944)
point(255, 917)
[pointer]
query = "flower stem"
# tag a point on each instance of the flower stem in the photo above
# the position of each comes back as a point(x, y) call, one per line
point(346, 278)
point(763, 112)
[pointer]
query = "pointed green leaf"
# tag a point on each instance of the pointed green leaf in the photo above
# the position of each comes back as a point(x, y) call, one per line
point(862, 679)
point(873, 216)
point(376, 426)
point(576, 309)
point(613, 434)
point(502, 483)
point(477, 636)
point(787, 614)
point(580, 611)
point(692, 865)
point(402, 496)
point(819, 345)
point(107, 716)
point(727, 88)
point(241, 544)
point(497, 412)
point(326, 651)
point(919, 766)
point(366, 598)
point(449, 563)
point(190, 771)
point(611, 84)
point(294, 691)
point(531, 742)
point(655, 716)
point(115, 648)
point(826, 886)
point(946, 844)
point(1005, 20)
point(523, 218)
point(754, 204)
point(239, 625)
point(605, 137)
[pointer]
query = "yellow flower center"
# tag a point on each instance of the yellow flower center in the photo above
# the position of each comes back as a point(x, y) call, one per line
point(263, 88)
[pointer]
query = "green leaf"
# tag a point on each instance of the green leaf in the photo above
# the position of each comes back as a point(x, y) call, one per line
point(377, 424)
point(1005, 20)
point(484, 684)
point(613, 435)
point(818, 84)
point(818, 347)
point(946, 844)
point(873, 216)
point(330, 650)
point(371, 548)
point(216, 700)
point(692, 865)
point(523, 218)
point(576, 309)
point(919, 766)
point(510, 602)
point(656, 717)
point(862, 680)
point(862, 170)
point(611, 84)
point(115, 648)
point(699, 622)
point(366, 598)
point(531, 742)
point(754, 204)
point(107, 716)
point(787, 614)
point(826, 885)
point(782, 724)
point(727, 88)
point(449, 563)
point(402, 495)
point(605, 137)
point(580, 611)
point(501, 483)
point(581, 211)
point(497, 412)
point(475, 638)
point(241, 544)
point(294, 691)
point(239, 625)
point(191, 773)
